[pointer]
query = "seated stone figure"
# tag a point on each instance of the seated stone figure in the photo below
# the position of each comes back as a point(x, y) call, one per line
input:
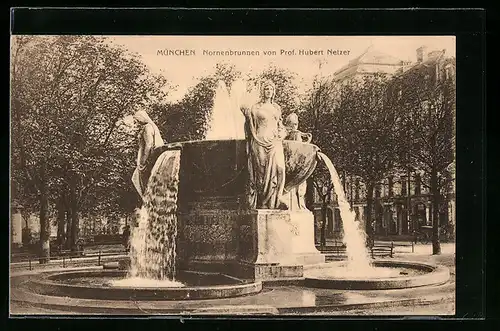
point(149, 139)
point(292, 124)
point(296, 195)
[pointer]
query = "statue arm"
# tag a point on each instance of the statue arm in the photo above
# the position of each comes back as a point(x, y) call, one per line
point(246, 109)
point(282, 130)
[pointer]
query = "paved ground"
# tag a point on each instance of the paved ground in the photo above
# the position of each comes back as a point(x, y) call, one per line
point(444, 309)
point(289, 295)
point(27, 309)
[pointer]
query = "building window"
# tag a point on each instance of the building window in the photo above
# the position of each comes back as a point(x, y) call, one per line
point(421, 215)
point(418, 181)
point(404, 186)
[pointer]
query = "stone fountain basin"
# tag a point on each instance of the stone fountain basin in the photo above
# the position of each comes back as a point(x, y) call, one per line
point(419, 274)
point(94, 284)
point(217, 168)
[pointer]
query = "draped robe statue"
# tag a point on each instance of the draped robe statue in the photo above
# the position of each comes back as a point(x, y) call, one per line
point(264, 133)
point(149, 139)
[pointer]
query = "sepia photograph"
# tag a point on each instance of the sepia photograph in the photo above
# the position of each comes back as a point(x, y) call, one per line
point(232, 175)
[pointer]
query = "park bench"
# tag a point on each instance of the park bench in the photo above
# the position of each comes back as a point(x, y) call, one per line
point(381, 249)
point(408, 240)
point(334, 250)
point(405, 244)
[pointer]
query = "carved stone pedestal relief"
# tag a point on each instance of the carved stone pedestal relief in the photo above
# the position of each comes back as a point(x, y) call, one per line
point(276, 244)
point(256, 244)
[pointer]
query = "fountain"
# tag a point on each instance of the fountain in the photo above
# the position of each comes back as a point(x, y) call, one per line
point(359, 272)
point(224, 125)
point(197, 238)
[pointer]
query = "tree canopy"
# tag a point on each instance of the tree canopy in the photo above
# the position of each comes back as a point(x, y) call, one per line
point(68, 95)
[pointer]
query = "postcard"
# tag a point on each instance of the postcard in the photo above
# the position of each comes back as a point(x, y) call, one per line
point(232, 175)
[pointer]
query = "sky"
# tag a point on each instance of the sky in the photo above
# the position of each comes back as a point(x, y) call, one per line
point(182, 70)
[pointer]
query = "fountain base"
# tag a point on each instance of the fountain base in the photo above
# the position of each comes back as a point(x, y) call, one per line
point(99, 285)
point(276, 244)
point(260, 244)
point(414, 275)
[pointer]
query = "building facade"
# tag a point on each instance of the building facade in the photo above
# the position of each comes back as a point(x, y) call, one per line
point(402, 203)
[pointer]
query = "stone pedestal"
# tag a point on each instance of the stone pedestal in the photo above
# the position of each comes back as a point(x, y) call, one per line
point(255, 244)
point(216, 233)
point(276, 244)
point(208, 236)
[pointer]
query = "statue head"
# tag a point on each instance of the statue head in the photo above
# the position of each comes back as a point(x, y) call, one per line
point(268, 90)
point(292, 122)
point(142, 117)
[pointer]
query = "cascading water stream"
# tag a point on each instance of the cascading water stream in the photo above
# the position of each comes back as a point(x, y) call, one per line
point(358, 260)
point(354, 237)
point(153, 241)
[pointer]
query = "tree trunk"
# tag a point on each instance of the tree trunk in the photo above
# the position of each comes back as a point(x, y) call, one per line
point(370, 231)
point(309, 196)
point(324, 215)
point(75, 227)
point(408, 202)
point(436, 245)
point(44, 256)
point(75, 224)
point(67, 243)
point(309, 201)
point(61, 221)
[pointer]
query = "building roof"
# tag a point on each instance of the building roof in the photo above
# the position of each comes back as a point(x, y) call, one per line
point(369, 56)
point(432, 58)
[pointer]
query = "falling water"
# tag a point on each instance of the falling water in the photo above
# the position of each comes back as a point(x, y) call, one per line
point(358, 260)
point(153, 241)
point(354, 237)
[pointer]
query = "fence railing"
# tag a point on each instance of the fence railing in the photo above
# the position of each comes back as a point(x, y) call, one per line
point(66, 257)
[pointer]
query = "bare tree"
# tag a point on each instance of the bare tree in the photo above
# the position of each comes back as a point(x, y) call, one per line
point(365, 133)
point(427, 98)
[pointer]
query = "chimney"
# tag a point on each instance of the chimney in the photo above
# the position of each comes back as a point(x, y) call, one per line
point(421, 54)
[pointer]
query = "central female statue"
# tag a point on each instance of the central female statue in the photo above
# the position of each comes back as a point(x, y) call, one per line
point(264, 133)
